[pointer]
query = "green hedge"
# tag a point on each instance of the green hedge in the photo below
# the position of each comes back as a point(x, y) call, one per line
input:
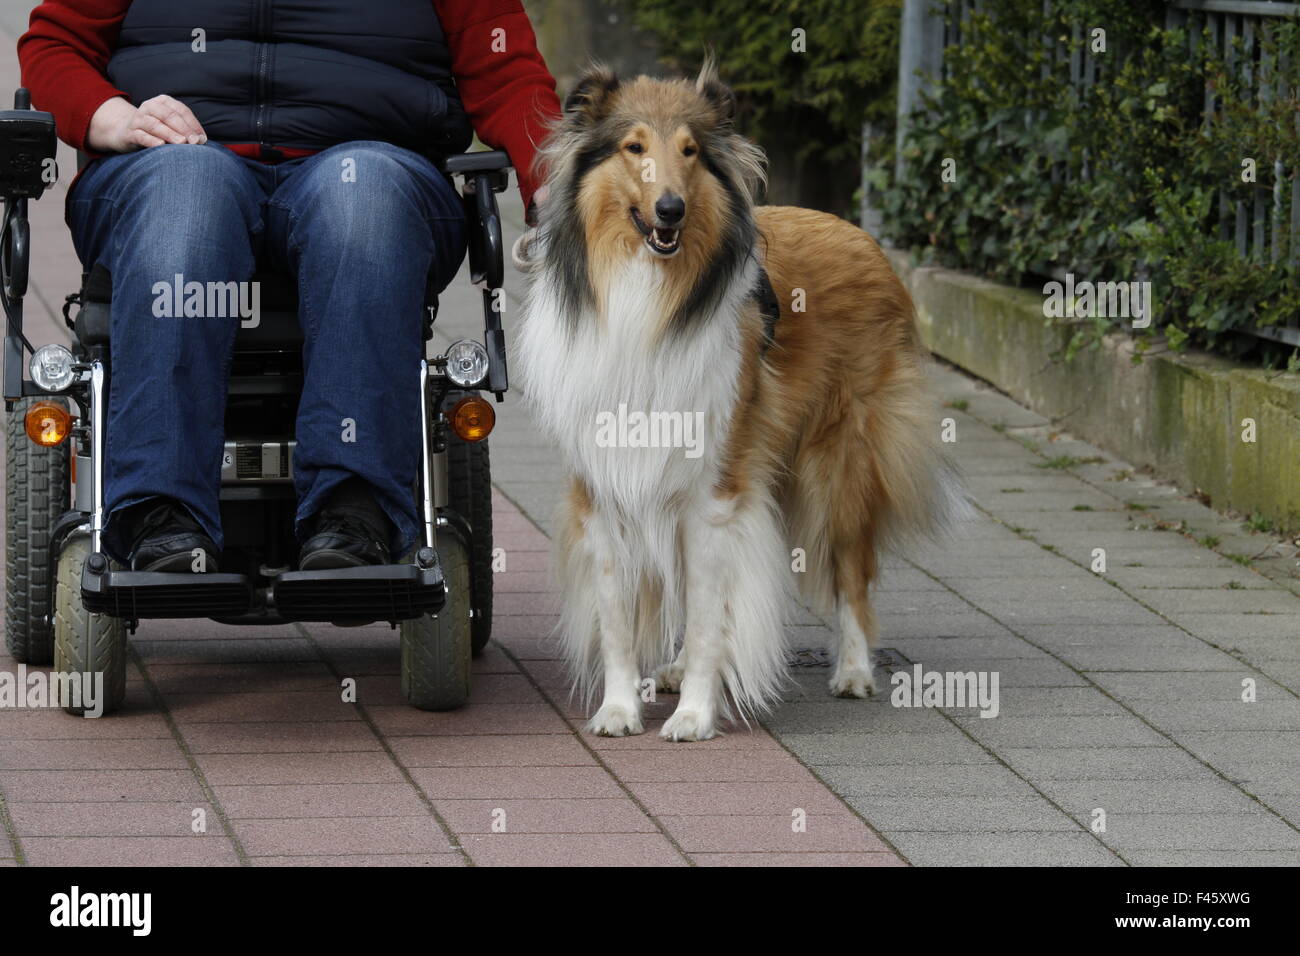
point(1115, 182)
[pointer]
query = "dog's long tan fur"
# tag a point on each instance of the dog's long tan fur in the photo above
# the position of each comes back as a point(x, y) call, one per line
point(840, 421)
point(832, 424)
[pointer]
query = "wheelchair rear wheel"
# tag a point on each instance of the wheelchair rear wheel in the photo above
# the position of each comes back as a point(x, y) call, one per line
point(36, 494)
point(436, 648)
point(86, 643)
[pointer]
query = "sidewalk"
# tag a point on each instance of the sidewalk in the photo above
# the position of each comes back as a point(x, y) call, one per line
point(1120, 691)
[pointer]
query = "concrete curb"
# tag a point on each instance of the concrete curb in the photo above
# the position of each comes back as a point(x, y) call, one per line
point(1180, 414)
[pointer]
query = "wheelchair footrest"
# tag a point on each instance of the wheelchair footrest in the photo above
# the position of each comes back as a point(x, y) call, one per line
point(393, 592)
point(137, 595)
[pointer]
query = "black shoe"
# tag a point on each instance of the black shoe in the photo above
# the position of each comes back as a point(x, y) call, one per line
point(165, 537)
point(352, 531)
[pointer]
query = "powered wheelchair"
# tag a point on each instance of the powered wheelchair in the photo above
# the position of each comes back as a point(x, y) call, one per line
point(69, 604)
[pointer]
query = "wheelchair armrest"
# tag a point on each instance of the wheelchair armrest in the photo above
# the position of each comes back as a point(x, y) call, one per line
point(485, 160)
point(486, 246)
point(485, 174)
point(27, 150)
point(27, 169)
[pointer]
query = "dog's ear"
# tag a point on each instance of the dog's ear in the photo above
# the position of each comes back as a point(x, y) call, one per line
point(592, 96)
point(715, 91)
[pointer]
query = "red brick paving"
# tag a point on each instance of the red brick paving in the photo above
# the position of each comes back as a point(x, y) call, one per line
point(254, 730)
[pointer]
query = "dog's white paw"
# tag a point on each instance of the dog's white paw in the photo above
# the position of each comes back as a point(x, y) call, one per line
point(853, 682)
point(668, 679)
point(616, 720)
point(686, 724)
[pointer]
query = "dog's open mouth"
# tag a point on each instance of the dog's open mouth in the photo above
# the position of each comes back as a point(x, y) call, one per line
point(663, 242)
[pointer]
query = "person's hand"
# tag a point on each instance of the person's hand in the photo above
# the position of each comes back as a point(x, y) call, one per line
point(119, 127)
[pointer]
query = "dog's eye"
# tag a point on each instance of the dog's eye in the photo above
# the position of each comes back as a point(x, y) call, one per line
point(634, 148)
point(689, 151)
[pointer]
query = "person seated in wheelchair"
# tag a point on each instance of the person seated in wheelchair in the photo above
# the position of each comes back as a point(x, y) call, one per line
point(299, 142)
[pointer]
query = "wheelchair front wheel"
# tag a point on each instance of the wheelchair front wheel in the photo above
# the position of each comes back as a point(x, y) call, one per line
point(436, 648)
point(36, 493)
point(86, 643)
point(469, 491)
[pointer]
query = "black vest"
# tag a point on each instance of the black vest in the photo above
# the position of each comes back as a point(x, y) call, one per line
point(304, 74)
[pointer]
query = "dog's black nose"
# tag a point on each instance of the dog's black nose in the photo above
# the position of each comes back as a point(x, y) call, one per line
point(670, 209)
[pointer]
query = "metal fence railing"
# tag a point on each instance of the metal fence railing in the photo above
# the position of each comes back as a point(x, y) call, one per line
point(1265, 225)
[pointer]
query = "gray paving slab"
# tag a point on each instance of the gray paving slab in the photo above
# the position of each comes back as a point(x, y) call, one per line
point(962, 813)
point(837, 748)
point(1199, 831)
point(911, 780)
point(1003, 848)
point(1226, 685)
point(1105, 730)
point(1103, 763)
point(1196, 795)
point(1280, 858)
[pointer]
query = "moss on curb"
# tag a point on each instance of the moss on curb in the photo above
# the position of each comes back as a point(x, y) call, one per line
point(1181, 414)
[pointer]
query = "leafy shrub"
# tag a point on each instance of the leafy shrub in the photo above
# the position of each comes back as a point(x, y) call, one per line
point(821, 97)
point(1119, 180)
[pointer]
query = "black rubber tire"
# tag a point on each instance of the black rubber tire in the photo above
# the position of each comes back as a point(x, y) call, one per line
point(436, 648)
point(36, 494)
point(86, 643)
point(469, 494)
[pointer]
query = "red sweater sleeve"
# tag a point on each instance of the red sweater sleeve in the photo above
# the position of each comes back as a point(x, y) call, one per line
point(64, 58)
point(503, 80)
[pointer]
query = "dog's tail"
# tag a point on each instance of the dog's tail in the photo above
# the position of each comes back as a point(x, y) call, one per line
point(884, 485)
point(921, 487)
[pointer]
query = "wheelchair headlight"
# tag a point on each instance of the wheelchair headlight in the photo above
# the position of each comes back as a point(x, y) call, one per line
point(467, 363)
point(51, 368)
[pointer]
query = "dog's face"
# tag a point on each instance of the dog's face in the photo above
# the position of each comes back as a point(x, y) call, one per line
point(647, 177)
point(658, 172)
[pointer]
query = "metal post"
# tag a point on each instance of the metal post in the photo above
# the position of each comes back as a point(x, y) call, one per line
point(426, 469)
point(920, 64)
point(98, 450)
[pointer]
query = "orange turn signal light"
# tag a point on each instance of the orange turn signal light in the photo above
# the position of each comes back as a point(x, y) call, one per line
point(48, 423)
point(472, 418)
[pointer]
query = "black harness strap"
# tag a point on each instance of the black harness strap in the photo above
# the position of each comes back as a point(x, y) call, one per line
point(768, 307)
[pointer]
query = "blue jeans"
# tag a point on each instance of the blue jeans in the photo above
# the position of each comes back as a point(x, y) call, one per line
point(361, 225)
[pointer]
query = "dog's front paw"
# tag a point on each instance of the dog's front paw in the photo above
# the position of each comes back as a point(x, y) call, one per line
point(853, 682)
point(668, 679)
point(616, 720)
point(686, 724)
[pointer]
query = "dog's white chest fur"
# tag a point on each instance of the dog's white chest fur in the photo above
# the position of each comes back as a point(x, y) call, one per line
point(641, 420)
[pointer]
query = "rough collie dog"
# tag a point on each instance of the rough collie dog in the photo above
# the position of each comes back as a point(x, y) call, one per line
point(739, 393)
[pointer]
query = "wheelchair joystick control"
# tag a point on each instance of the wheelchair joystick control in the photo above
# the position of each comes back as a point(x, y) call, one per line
point(425, 557)
point(97, 563)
